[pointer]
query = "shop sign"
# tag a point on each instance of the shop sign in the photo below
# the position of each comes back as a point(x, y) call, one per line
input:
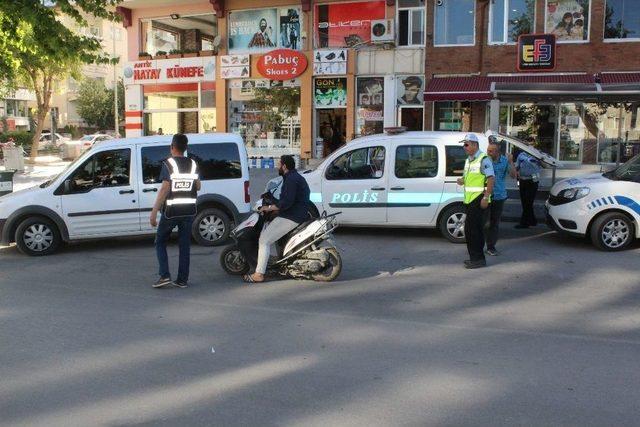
point(329, 62)
point(182, 70)
point(282, 64)
point(264, 29)
point(410, 90)
point(536, 52)
point(346, 24)
point(330, 92)
point(235, 66)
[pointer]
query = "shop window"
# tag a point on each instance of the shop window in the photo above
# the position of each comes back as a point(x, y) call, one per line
point(370, 105)
point(179, 33)
point(171, 122)
point(455, 22)
point(105, 169)
point(568, 19)
point(16, 108)
point(266, 114)
point(510, 19)
point(456, 158)
point(416, 161)
point(183, 96)
point(622, 19)
point(411, 22)
point(364, 163)
point(452, 116)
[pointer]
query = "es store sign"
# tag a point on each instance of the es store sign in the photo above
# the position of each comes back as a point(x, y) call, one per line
point(282, 64)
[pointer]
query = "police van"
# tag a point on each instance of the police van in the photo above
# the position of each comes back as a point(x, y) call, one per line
point(602, 206)
point(397, 179)
point(110, 191)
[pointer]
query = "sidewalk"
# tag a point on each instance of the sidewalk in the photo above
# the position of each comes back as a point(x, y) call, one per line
point(45, 168)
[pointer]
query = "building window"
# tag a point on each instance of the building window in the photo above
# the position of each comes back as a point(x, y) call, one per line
point(568, 19)
point(16, 108)
point(455, 22)
point(510, 19)
point(180, 33)
point(622, 20)
point(266, 114)
point(411, 22)
point(452, 115)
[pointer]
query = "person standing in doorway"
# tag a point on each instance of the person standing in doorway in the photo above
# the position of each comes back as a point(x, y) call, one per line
point(177, 203)
point(528, 169)
point(478, 179)
point(502, 165)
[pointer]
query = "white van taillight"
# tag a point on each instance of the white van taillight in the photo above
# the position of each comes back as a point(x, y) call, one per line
point(247, 196)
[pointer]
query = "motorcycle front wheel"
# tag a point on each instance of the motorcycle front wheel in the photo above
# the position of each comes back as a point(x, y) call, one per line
point(332, 270)
point(233, 262)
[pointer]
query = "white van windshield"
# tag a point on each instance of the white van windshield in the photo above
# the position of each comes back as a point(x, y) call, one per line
point(629, 171)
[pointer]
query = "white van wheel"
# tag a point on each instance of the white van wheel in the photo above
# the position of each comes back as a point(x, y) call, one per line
point(37, 236)
point(612, 232)
point(452, 224)
point(211, 227)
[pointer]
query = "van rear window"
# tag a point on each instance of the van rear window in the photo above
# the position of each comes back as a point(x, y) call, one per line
point(215, 161)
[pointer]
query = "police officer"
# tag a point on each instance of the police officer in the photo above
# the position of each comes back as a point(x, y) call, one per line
point(177, 201)
point(528, 168)
point(478, 180)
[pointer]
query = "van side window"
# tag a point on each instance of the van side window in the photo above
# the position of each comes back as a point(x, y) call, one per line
point(215, 161)
point(456, 157)
point(416, 161)
point(363, 163)
point(104, 169)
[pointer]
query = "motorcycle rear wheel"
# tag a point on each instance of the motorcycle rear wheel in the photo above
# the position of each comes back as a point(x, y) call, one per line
point(233, 262)
point(332, 271)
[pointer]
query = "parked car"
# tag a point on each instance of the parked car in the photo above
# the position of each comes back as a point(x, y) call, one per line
point(87, 141)
point(110, 190)
point(602, 206)
point(70, 150)
point(401, 179)
point(45, 140)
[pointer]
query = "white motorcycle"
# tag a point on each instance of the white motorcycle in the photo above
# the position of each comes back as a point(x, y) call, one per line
point(306, 252)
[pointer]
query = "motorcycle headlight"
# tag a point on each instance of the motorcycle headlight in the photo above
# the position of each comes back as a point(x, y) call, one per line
point(574, 193)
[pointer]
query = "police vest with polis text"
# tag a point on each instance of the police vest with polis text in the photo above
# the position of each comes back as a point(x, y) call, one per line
point(183, 194)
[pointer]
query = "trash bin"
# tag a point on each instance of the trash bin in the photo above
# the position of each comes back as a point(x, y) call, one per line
point(6, 182)
point(71, 150)
point(13, 158)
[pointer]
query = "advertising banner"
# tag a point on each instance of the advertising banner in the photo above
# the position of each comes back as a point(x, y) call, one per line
point(330, 92)
point(568, 20)
point(346, 24)
point(330, 62)
point(410, 90)
point(253, 31)
point(536, 52)
point(181, 70)
point(235, 66)
point(370, 98)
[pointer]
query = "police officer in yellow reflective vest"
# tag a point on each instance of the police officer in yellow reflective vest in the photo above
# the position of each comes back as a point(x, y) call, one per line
point(478, 182)
point(177, 199)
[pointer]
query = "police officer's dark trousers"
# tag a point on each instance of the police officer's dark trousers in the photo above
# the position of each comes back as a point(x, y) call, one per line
point(474, 229)
point(528, 190)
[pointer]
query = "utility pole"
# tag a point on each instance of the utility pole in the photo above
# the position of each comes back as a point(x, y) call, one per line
point(115, 81)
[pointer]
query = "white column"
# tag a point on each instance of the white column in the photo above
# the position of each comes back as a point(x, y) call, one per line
point(133, 98)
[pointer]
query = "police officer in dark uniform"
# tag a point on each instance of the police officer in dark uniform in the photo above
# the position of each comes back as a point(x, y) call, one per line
point(177, 202)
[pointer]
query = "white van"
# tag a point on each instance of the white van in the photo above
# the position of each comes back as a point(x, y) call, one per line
point(406, 179)
point(603, 206)
point(110, 190)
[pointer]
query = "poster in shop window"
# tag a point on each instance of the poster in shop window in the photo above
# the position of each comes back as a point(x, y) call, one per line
point(410, 90)
point(346, 24)
point(568, 20)
point(253, 31)
point(330, 92)
point(370, 98)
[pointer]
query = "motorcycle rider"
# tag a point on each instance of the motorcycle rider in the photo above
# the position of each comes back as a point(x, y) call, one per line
point(292, 210)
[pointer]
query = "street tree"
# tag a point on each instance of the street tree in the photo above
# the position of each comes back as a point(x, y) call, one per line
point(37, 50)
point(95, 103)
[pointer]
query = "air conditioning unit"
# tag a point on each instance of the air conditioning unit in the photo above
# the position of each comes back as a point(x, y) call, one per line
point(382, 30)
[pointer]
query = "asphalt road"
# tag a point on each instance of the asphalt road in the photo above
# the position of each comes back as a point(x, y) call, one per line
point(549, 334)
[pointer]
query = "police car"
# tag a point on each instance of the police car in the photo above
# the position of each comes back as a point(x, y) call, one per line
point(398, 179)
point(602, 206)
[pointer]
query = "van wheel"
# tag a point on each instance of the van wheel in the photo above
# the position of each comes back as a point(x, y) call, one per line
point(211, 227)
point(612, 232)
point(452, 224)
point(37, 236)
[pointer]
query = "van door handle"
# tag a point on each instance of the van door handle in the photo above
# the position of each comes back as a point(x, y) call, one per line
point(396, 188)
point(147, 190)
point(377, 189)
point(126, 191)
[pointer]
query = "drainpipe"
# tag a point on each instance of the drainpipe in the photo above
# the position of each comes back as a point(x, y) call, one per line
point(481, 36)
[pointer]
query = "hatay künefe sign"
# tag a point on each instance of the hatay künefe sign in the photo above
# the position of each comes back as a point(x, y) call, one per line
point(282, 64)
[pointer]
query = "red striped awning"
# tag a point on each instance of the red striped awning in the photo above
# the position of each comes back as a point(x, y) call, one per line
point(478, 88)
point(619, 78)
